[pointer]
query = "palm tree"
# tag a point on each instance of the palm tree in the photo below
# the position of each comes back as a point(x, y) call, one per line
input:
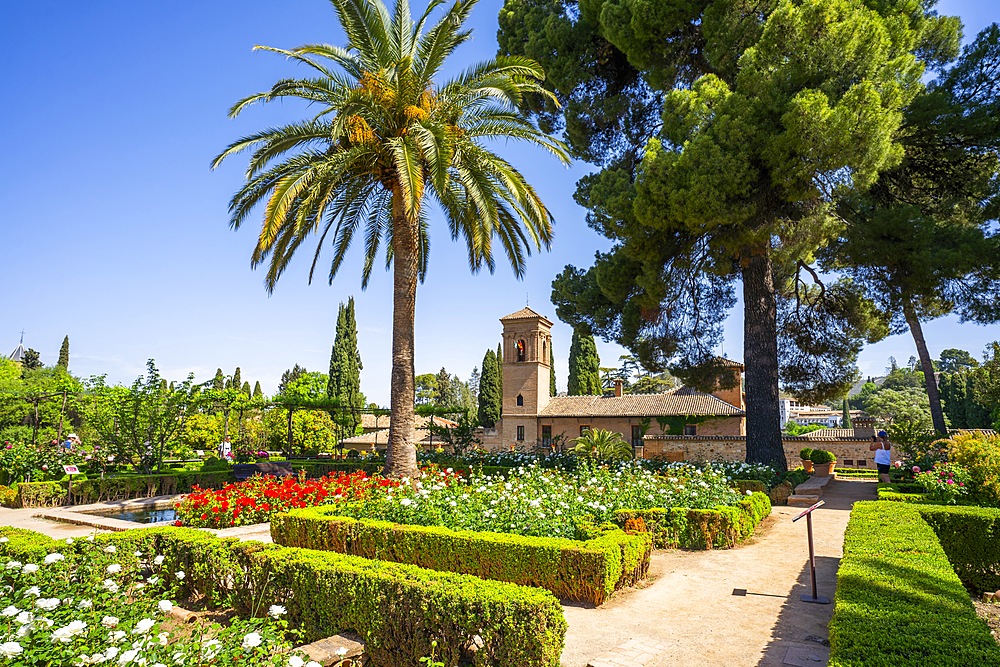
point(385, 137)
point(602, 444)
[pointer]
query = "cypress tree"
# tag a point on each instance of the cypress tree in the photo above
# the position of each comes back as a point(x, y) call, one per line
point(846, 421)
point(500, 368)
point(344, 384)
point(246, 388)
point(490, 393)
point(219, 381)
point(257, 392)
point(552, 372)
point(584, 366)
point(237, 380)
point(64, 354)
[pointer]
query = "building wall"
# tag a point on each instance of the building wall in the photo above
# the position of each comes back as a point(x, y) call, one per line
point(849, 453)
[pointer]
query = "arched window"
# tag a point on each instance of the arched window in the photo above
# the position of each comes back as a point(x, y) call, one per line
point(520, 400)
point(545, 352)
point(520, 350)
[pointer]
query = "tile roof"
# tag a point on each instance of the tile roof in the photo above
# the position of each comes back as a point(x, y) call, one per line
point(728, 363)
point(681, 401)
point(830, 434)
point(524, 314)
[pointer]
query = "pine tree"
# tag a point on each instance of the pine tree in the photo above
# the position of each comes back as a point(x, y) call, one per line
point(257, 391)
point(344, 382)
point(552, 372)
point(584, 365)
point(846, 421)
point(490, 392)
point(31, 360)
point(219, 381)
point(63, 362)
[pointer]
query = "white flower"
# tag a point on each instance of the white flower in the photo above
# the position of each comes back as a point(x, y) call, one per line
point(11, 611)
point(25, 617)
point(86, 604)
point(159, 664)
point(296, 661)
point(162, 638)
point(4, 540)
point(10, 649)
point(138, 554)
point(90, 538)
point(749, 492)
point(143, 626)
point(252, 640)
point(153, 579)
point(313, 663)
point(53, 558)
point(30, 568)
point(114, 568)
point(165, 606)
point(110, 586)
point(48, 604)
point(276, 610)
point(69, 540)
point(66, 634)
point(115, 636)
point(109, 621)
point(211, 648)
point(127, 656)
point(180, 574)
point(341, 651)
point(405, 502)
point(112, 652)
point(13, 565)
point(110, 549)
point(158, 560)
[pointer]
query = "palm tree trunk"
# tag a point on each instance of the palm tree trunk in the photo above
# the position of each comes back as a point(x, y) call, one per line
point(760, 352)
point(930, 382)
point(401, 452)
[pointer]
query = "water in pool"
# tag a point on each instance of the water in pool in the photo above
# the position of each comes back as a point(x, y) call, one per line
point(139, 514)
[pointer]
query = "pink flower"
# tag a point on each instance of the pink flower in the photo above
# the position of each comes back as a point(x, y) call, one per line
point(898, 464)
point(951, 481)
point(916, 468)
point(961, 483)
point(45, 467)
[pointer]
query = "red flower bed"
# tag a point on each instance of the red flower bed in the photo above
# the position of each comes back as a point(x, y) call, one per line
point(255, 500)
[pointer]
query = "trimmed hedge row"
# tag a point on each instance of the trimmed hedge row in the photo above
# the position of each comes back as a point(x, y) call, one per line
point(53, 494)
point(898, 600)
point(721, 527)
point(970, 536)
point(583, 571)
point(398, 609)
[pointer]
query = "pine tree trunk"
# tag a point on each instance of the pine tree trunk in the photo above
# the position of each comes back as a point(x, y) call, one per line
point(937, 415)
point(760, 351)
point(401, 452)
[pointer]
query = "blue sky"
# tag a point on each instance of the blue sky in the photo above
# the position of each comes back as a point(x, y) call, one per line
point(116, 233)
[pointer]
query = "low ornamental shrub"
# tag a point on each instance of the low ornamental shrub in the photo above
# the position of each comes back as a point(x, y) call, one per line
point(581, 571)
point(945, 482)
point(721, 527)
point(124, 487)
point(893, 493)
point(805, 453)
point(822, 456)
point(980, 454)
point(256, 499)
point(899, 603)
point(970, 536)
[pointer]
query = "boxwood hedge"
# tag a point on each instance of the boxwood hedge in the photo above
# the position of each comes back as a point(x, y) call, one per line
point(899, 603)
point(582, 571)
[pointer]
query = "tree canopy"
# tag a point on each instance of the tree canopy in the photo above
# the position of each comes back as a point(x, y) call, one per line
point(584, 365)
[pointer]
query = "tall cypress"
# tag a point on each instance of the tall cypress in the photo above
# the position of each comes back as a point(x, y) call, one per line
point(246, 388)
point(846, 420)
point(552, 372)
point(219, 381)
point(490, 392)
point(344, 384)
point(257, 391)
point(584, 365)
point(237, 380)
point(500, 368)
point(63, 362)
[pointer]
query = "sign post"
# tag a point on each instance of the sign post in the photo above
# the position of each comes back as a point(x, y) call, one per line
point(70, 470)
point(807, 513)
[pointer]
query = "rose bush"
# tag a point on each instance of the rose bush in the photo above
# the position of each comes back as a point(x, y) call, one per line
point(945, 482)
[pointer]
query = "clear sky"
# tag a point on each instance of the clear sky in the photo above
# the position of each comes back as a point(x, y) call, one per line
point(115, 232)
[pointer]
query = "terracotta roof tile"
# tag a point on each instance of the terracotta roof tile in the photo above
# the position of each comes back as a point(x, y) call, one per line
point(524, 314)
point(678, 402)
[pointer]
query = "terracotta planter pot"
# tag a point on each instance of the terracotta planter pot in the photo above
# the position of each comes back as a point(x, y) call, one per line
point(824, 469)
point(807, 465)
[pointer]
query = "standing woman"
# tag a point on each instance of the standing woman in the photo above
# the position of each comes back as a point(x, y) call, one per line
point(883, 455)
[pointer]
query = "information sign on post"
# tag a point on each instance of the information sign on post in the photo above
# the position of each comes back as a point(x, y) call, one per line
point(807, 513)
point(70, 470)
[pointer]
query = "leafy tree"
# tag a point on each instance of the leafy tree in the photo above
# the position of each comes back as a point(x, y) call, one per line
point(584, 365)
point(290, 376)
point(425, 386)
point(386, 134)
point(137, 424)
point(724, 131)
point(31, 360)
point(894, 406)
point(345, 370)
point(904, 378)
point(921, 242)
point(490, 392)
point(460, 438)
point(953, 361)
point(552, 372)
point(64, 354)
point(257, 391)
point(794, 428)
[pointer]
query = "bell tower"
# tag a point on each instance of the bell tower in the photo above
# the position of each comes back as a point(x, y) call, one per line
point(527, 347)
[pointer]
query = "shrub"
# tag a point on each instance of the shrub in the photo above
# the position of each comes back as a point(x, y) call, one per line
point(51, 494)
point(980, 454)
point(215, 464)
point(822, 456)
point(8, 496)
point(580, 571)
point(945, 482)
point(898, 600)
point(805, 453)
point(722, 527)
point(970, 536)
